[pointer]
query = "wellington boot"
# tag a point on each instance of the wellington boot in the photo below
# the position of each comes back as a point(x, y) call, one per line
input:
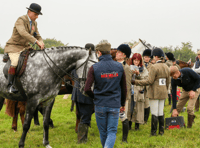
point(125, 125)
point(82, 133)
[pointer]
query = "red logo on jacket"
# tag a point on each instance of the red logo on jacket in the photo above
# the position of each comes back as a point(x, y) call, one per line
point(109, 75)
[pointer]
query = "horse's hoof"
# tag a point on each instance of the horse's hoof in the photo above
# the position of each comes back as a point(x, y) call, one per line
point(37, 124)
point(51, 125)
point(48, 146)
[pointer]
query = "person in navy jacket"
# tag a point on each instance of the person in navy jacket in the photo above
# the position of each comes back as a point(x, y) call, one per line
point(109, 93)
point(190, 83)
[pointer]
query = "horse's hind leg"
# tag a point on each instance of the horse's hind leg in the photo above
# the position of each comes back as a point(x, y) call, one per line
point(15, 118)
point(30, 108)
point(1, 102)
point(22, 118)
point(46, 118)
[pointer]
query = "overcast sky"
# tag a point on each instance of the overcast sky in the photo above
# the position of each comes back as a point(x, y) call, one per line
point(77, 22)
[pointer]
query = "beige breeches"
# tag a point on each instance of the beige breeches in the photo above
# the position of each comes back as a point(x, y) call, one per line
point(14, 57)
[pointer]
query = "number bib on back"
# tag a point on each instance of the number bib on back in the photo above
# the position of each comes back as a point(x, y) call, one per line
point(162, 81)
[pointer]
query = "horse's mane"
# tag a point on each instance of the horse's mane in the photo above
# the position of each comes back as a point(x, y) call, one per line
point(65, 47)
point(182, 61)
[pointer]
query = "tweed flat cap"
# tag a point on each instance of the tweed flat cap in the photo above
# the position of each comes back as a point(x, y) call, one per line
point(104, 46)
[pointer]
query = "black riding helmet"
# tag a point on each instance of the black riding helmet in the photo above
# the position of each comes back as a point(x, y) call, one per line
point(170, 55)
point(158, 52)
point(90, 45)
point(125, 49)
point(147, 52)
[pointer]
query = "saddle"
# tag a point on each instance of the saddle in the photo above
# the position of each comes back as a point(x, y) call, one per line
point(21, 63)
point(23, 58)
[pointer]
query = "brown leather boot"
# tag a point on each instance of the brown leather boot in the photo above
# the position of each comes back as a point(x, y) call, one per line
point(11, 76)
point(190, 120)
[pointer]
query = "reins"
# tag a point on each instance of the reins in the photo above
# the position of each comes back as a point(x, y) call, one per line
point(68, 74)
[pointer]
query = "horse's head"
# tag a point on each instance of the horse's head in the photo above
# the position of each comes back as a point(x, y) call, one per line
point(139, 47)
point(183, 64)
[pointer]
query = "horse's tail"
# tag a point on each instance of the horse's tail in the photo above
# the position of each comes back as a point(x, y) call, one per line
point(1, 102)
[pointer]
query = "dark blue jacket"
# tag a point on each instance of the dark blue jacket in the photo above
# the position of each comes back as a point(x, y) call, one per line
point(77, 96)
point(189, 80)
point(108, 76)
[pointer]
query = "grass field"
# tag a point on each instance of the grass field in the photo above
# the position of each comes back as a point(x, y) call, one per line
point(64, 136)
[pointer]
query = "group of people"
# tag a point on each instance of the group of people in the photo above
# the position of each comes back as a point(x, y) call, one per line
point(116, 89)
point(130, 92)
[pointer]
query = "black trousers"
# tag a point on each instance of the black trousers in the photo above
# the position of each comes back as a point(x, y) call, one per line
point(85, 112)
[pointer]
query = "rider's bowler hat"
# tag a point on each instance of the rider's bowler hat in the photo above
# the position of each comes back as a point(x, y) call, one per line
point(35, 8)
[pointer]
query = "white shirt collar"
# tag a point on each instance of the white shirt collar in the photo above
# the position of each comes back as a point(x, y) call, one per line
point(121, 62)
point(29, 18)
point(158, 61)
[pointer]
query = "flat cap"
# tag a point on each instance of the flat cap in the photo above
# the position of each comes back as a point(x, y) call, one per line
point(103, 46)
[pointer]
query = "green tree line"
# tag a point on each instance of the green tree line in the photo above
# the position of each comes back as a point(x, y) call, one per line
point(183, 53)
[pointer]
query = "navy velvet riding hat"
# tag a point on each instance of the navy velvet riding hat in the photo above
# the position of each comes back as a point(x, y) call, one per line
point(147, 52)
point(170, 55)
point(125, 49)
point(158, 52)
point(35, 8)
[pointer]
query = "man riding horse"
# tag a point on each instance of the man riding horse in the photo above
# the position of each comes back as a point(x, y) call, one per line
point(24, 31)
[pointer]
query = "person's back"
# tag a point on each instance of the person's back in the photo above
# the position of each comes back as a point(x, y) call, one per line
point(107, 74)
point(109, 93)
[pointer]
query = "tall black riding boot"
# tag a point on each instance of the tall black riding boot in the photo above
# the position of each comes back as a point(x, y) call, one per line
point(125, 125)
point(146, 114)
point(137, 125)
point(82, 133)
point(130, 124)
point(161, 125)
point(154, 123)
point(169, 99)
point(11, 76)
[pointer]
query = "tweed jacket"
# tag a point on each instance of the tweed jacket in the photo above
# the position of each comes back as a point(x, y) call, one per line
point(169, 63)
point(142, 76)
point(158, 81)
point(128, 74)
point(148, 66)
point(22, 35)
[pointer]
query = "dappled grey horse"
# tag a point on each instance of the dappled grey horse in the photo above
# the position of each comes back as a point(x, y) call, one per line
point(42, 81)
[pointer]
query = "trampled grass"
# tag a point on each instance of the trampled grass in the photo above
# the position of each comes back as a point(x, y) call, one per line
point(64, 136)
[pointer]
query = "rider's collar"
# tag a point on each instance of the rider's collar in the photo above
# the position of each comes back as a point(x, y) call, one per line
point(29, 18)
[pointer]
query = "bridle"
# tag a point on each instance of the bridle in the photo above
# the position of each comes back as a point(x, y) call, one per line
point(69, 74)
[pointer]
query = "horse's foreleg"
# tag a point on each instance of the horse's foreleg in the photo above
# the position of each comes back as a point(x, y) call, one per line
point(46, 119)
point(40, 109)
point(36, 119)
point(1, 102)
point(29, 115)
